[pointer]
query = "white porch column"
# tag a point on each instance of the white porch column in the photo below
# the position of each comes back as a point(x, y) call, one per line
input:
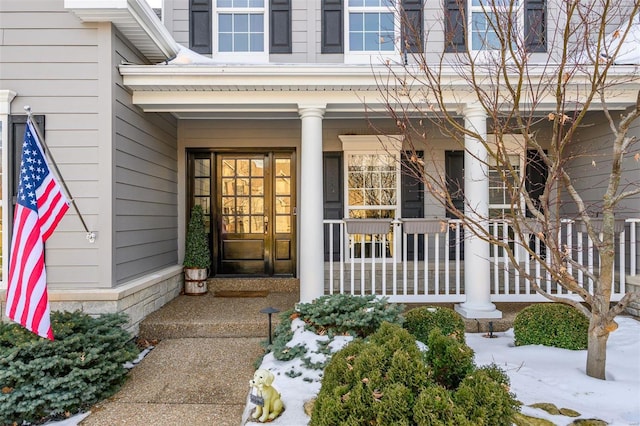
point(477, 279)
point(310, 231)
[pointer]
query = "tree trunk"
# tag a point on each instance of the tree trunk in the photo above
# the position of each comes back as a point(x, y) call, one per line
point(597, 348)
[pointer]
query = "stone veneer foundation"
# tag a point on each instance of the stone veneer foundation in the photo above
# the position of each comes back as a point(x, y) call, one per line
point(136, 298)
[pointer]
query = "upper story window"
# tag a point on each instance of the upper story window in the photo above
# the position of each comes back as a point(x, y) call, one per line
point(240, 27)
point(240, 30)
point(472, 24)
point(487, 17)
point(371, 26)
point(371, 31)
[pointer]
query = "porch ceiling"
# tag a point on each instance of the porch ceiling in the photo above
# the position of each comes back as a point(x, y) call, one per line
point(345, 91)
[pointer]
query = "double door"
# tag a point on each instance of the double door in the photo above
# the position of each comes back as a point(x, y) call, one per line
point(249, 199)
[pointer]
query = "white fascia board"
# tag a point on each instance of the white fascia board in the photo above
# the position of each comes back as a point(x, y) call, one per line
point(138, 10)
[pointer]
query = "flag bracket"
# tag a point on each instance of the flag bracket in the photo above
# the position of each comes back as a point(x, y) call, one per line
point(91, 236)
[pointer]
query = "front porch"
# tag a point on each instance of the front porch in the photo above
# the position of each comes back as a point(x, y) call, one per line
point(423, 261)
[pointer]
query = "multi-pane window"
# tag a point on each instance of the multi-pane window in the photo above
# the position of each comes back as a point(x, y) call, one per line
point(371, 25)
point(373, 193)
point(241, 26)
point(372, 186)
point(489, 18)
point(503, 186)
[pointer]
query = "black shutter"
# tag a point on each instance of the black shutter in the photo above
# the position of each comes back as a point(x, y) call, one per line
point(332, 28)
point(280, 26)
point(535, 25)
point(412, 188)
point(17, 123)
point(454, 172)
point(412, 33)
point(200, 22)
point(455, 26)
point(333, 200)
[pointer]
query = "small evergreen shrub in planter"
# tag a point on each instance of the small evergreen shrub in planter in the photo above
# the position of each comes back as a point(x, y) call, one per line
point(42, 379)
point(420, 321)
point(551, 324)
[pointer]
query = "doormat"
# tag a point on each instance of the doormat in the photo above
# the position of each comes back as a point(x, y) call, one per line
point(241, 293)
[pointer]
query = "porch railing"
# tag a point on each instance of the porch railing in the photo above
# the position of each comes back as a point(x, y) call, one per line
point(422, 260)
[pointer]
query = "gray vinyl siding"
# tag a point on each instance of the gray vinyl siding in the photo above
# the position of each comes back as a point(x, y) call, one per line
point(179, 25)
point(51, 60)
point(590, 168)
point(145, 185)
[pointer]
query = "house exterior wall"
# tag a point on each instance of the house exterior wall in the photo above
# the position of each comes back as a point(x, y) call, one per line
point(590, 167)
point(145, 182)
point(119, 163)
point(52, 62)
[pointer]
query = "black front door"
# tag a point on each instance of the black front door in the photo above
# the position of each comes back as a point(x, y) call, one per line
point(253, 222)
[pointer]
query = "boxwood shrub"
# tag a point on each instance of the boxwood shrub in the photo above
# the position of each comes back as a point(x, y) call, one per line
point(421, 321)
point(42, 379)
point(551, 324)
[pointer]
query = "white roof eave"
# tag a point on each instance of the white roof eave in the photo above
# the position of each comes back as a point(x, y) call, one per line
point(134, 19)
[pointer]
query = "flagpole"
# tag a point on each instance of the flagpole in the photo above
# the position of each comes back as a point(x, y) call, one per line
point(91, 236)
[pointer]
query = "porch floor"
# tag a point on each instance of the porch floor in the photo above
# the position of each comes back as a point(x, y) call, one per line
point(209, 316)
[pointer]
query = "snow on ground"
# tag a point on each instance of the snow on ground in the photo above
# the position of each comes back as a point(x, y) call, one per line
point(537, 373)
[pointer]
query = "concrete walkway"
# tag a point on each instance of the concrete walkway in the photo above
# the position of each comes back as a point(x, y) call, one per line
point(199, 372)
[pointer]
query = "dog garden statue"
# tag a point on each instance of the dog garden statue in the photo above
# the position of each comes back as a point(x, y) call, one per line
point(267, 398)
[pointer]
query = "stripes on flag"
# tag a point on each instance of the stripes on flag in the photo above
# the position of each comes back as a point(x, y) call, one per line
point(40, 206)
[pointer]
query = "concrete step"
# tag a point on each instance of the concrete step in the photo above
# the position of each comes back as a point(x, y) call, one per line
point(208, 316)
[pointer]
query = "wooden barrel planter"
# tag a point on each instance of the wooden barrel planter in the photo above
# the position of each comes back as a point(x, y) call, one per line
point(195, 281)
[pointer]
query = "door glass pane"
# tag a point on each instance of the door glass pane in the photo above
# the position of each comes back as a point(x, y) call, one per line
point(257, 224)
point(228, 187)
point(257, 205)
point(228, 205)
point(257, 186)
point(202, 186)
point(242, 224)
point(202, 167)
point(257, 168)
point(283, 205)
point(228, 168)
point(242, 168)
point(242, 205)
point(283, 224)
point(283, 186)
point(228, 225)
point(242, 187)
point(283, 167)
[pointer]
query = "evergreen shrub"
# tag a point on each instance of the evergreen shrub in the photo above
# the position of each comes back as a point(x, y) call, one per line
point(42, 379)
point(485, 399)
point(449, 360)
point(551, 324)
point(372, 381)
point(384, 380)
point(420, 321)
point(196, 250)
point(341, 314)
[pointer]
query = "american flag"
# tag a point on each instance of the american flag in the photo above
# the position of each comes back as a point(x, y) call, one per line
point(40, 206)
